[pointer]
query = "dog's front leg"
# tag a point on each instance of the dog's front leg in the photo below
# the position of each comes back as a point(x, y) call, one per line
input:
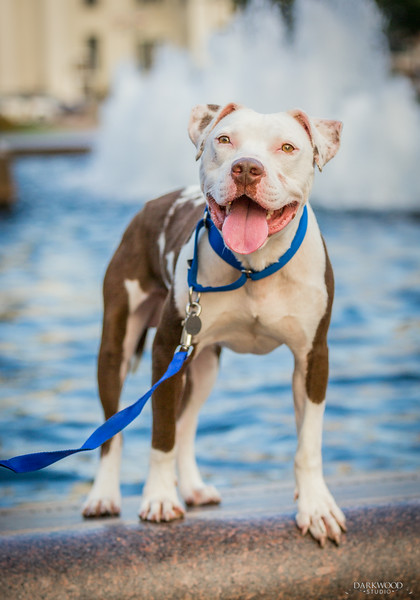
point(317, 509)
point(160, 499)
point(201, 376)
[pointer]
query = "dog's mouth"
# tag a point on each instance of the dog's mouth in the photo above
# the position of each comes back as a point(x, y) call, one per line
point(246, 225)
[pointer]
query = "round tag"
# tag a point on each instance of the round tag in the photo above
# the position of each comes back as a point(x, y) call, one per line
point(193, 325)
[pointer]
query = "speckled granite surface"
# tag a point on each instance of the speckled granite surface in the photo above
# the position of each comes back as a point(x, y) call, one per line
point(250, 556)
point(194, 559)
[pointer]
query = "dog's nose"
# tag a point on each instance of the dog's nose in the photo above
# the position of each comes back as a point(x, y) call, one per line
point(247, 170)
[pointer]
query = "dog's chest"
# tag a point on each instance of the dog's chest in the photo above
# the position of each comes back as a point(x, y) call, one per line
point(255, 319)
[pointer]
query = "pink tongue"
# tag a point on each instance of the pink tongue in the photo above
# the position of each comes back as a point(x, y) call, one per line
point(245, 229)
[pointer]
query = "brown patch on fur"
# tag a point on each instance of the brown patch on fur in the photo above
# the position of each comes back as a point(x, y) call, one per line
point(179, 228)
point(317, 359)
point(205, 121)
point(166, 398)
point(141, 343)
point(137, 257)
point(111, 354)
point(105, 448)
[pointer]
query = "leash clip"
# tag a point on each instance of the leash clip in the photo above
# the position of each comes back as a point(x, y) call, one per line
point(192, 322)
point(187, 349)
point(193, 307)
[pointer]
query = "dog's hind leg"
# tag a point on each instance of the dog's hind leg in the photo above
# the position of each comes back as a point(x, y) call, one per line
point(104, 498)
point(128, 314)
point(201, 376)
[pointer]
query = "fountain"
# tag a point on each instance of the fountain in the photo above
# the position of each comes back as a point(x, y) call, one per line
point(334, 64)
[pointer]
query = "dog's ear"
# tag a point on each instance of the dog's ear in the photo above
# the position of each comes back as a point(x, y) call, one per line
point(203, 119)
point(324, 135)
point(326, 140)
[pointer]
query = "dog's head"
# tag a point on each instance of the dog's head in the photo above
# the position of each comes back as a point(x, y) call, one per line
point(257, 170)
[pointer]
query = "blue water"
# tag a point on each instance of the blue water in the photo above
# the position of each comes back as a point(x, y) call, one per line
point(55, 245)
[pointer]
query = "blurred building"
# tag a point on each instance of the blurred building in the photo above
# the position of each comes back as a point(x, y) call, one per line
point(68, 49)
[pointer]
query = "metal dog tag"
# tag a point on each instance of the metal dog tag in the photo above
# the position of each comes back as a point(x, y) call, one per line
point(192, 324)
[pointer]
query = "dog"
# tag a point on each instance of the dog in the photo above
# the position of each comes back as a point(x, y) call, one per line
point(256, 174)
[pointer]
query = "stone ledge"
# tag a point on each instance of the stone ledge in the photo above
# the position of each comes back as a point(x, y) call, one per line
point(264, 557)
point(242, 550)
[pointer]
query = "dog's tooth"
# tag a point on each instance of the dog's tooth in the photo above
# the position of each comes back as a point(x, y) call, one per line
point(269, 214)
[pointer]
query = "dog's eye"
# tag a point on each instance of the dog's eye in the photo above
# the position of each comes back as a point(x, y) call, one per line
point(224, 139)
point(288, 148)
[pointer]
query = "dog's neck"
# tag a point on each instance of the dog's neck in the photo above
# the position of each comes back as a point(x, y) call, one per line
point(275, 246)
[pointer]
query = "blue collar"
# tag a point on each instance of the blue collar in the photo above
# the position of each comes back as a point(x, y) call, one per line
point(218, 245)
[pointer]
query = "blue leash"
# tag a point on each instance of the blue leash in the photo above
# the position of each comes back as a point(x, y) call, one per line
point(34, 462)
point(39, 460)
point(217, 243)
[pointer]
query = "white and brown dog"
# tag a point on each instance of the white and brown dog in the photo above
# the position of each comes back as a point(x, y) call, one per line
point(256, 174)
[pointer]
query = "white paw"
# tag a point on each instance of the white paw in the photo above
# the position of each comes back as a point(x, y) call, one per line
point(161, 508)
point(202, 495)
point(191, 486)
point(160, 499)
point(319, 514)
point(104, 499)
point(102, 505)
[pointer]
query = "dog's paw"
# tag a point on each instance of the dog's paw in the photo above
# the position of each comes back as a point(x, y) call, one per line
point(319, 514)
point(192, 487)
point(160, 499)
point(202, 495)
point(157, 509)
point(102, 505)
